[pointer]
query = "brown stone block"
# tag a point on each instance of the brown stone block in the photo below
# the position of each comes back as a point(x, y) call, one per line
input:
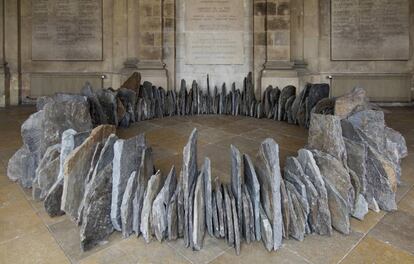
point(150, 24)
point(147, 39)
point(169, 23)
point(169, 10)
point(260, 39)
point(278, 53)
point(271, 8)
point(156, 10)
point(278, 23)
point(278, 38)
point(149, 53)
point(260, 8)
point(283, 8)
point(259, 23)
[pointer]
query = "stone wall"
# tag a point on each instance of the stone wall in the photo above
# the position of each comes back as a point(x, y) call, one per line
point(148, 36)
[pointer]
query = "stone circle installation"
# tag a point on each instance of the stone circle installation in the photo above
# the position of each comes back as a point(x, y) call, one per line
point(75, 163)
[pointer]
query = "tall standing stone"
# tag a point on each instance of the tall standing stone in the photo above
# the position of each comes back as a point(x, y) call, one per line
point(253, 186)
point(220, 208)
point(228, 213)
point(96, 223)
point(145, 171)
point(76, 169)
point(70, 140)
point(96, 218)
point(339, 189)
point(160, 206)
point(236, 179)
point(127, 156)
point(325, 134)
point(287, 92)
point(269, 176)
point(199, 217)
point(153, 187)
point(47, 172)
point(208, 195)
point(126, 205)
point(322, 225)
point(189, 172)
point(266, 230)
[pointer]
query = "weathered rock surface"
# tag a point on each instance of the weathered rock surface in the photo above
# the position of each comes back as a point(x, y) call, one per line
point(96, 111)
point(145, 171)
point(269, 176)
point(287, 92)
point(160, 205)
point(133, 82)
point(47, 172)
point(172, 216)
point(325, 134)
point(199, 218)
point(127, 157)
point(22, 167)
point(297, 226)
point(228, 214)
point(76, 169)
point(189, 172)
point(285, 209)
point(253, 186)
point(317, 92)
point(206, 169)
point(321, 223)
point(381, 180)
point(70, 140)
point(236, 179)
point(356, 160)
point(361, 207)
point(355, 100)
point(340, 190)
point(127, 206)
point(154, 185)
point(266, 231)
point(235, 225)
point(220, 206)
point(96, 223)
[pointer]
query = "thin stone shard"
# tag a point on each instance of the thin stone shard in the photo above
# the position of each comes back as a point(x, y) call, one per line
point(160, 206)
point(268, 171)
point(153, 187)
point(189, 172)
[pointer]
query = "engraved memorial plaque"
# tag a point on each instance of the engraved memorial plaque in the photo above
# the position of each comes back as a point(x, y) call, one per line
point(67, 30)
point(369, 29)
point(214, 32)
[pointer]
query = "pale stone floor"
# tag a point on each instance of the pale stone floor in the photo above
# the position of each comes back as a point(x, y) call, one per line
point(28, 235)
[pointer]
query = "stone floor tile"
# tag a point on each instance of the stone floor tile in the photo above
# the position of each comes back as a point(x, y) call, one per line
point(17, 217)
point(370, 220)
point(67, 236)
point(212, 248)
point(324, 249)
point(406, 204)
point(36, 247)
point(242, 143)
point(134, 250)
point(371, 250)
point(166, 163)
point(136, 129)
point(397, 229)
point(213, 135)
point(256, 253)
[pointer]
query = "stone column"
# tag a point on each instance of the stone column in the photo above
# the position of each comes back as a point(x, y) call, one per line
point(2, 75)
point(145, 41)
point(11, 54)
point(279, 67)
